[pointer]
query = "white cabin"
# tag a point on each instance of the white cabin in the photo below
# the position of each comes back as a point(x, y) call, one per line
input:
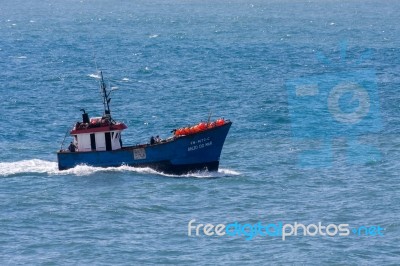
point(99, 141)
point(97, 135)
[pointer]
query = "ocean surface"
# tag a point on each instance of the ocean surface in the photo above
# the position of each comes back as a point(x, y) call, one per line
point(331, 156)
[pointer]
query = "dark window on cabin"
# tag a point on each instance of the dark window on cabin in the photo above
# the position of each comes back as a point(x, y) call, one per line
point(92, 142)
point(108, 141)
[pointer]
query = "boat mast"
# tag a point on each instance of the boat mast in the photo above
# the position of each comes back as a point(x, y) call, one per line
point(106, 98)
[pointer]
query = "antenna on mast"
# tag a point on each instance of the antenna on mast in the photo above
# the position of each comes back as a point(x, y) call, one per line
point(106, 96)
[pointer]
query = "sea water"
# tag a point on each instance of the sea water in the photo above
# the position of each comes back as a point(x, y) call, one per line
point(312, 88)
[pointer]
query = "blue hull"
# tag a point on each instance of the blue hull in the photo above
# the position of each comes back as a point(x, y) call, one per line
point(185, 154)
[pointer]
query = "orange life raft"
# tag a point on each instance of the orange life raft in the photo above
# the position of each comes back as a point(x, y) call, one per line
point(202, 126)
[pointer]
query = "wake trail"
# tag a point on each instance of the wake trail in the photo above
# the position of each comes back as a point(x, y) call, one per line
point(37, 166)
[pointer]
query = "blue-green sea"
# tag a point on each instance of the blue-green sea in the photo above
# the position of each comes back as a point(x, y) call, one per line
point(312, 88)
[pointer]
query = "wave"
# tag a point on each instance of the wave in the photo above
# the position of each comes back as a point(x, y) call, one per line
point(27, 166)
point(37, 166)
point(94, 75)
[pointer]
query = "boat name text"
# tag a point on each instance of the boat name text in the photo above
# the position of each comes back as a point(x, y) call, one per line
point(199, 144)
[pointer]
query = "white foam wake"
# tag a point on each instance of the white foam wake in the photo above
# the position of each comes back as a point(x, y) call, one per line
point(27, 166)
point(94, 75)
point(50, 168)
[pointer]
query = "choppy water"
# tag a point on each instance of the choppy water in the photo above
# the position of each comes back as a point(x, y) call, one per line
point(174, 62)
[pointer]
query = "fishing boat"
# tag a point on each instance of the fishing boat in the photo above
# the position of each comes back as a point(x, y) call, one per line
point(97, 141)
